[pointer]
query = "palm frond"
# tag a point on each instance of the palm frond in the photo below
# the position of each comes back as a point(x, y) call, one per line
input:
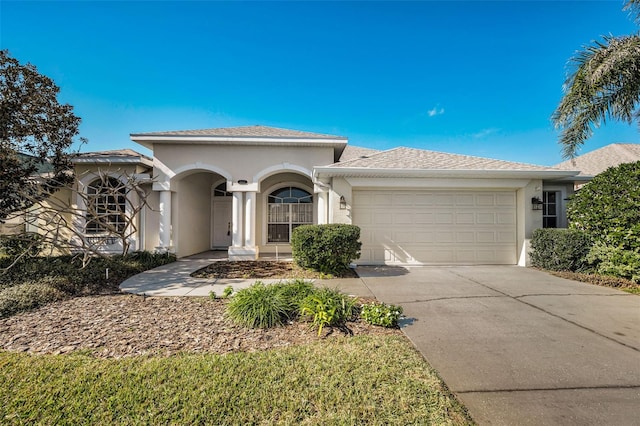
point(633, 7)
point(604, 84)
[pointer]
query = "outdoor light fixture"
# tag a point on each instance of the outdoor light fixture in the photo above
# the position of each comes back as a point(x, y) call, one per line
point(343, 203)
point(243, 182)
point(536, 203)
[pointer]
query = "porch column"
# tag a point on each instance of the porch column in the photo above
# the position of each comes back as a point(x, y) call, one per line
point(322, 208)
point(236, 217)
point(250, 220)
point(165, 221)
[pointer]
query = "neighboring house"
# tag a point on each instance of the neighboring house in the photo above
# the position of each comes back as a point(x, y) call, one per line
point(595, 162)
point(17, 223)
point(245, 189)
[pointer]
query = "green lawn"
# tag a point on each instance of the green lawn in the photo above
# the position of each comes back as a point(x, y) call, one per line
point(359, 380)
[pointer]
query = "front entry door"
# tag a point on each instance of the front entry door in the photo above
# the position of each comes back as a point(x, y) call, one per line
point(221, 222)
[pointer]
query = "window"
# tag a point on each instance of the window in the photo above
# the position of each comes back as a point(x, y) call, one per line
point(106, 206)
point(221, 191)
point(550, 209)
point(288, 208)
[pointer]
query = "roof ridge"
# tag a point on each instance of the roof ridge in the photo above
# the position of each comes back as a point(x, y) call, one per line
point(251, 131)
point(378, 152)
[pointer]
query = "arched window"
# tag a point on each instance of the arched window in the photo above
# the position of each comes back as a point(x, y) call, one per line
point(221, 191)
point(289, 207)
point(106, 206)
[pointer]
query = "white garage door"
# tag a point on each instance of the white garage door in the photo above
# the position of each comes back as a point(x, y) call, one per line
point(436, 227)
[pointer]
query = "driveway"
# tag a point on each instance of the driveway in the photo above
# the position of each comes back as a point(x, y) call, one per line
point(519, 346)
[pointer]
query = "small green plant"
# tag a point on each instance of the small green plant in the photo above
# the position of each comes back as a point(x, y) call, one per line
point(212, 295)
point(258, 306)
point(227, 292)
point(294, 293)
point(382, 314)
point(327, 307)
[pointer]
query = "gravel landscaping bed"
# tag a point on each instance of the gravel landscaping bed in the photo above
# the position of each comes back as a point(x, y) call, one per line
point(115, 326)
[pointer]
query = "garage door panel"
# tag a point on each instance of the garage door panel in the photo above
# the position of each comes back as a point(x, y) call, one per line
point(465, 218)
point(434, 227)
point(505, 219)
point(403, 218)
point(383, 218)
point(424, 218)
point(383, 199)
point(506, 199)
point(444, 218)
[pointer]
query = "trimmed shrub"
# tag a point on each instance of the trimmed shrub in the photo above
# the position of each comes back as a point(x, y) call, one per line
point(615, 261)
point(377, 313)
point(326, 248)
point(608, 207)
point(39, 280)
point(27, 296)
point(13, 246)
point(560, 249)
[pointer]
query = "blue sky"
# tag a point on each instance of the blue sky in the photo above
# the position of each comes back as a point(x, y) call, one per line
point(478, 78)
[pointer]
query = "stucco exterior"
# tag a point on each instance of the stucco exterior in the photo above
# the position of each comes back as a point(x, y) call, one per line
point(210, 189)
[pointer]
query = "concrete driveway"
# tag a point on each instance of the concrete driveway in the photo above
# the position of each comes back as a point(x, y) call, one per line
point(519, 346)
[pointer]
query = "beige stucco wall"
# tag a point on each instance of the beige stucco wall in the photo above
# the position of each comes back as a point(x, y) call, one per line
point(191, 214)
point(528, 219)
point(151, 220)
point(250, 163)
point(340, 187)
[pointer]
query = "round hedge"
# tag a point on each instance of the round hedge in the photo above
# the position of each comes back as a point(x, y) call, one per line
point(608, 207)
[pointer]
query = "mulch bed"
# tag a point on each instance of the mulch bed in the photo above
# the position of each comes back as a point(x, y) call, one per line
point(262, 269)
point(115, 326)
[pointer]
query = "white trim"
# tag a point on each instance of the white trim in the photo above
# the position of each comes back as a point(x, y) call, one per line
point(394, 182)
point(365, 172)
point(281, 168)
point(198, 166)
point(240, 140)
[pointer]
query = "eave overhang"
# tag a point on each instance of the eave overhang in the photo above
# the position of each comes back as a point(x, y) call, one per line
point(338, 144)
point(321, 173)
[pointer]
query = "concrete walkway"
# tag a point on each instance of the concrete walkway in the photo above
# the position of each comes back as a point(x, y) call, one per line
point(175, 279)
point(516, 345)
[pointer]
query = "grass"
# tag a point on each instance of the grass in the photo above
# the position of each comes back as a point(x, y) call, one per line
point(362, 380)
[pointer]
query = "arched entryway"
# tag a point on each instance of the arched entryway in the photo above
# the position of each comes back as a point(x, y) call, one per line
point(200, 212)
point(221, 209)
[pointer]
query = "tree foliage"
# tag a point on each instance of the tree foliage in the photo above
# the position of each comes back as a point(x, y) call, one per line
point(608, 207)
point(36, 134)
point(603, 83)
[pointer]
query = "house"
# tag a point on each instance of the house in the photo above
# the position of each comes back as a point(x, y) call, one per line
point(595, 162)
point(244, 189)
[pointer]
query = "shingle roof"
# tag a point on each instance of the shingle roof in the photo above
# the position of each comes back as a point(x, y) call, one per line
point(419, 159)
point(114, 156)
point(244, 132)
point(352, 152)
point(596, 162)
